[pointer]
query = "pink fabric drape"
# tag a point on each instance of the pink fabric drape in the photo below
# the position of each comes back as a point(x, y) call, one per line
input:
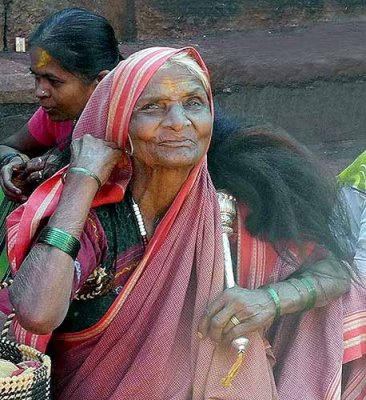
point(151, 349)
point(146, 347)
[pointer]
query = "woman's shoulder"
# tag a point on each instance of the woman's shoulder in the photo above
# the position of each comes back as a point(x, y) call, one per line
point(47, 132)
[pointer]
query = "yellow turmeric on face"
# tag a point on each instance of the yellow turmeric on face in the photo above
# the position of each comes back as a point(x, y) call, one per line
point(44, 59)
point(171, 86)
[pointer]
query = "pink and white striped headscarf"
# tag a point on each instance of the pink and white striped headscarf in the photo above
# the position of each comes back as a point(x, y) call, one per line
point(106, 116)
point(148, 346)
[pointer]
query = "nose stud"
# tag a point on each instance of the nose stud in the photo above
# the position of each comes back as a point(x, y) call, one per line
point(43, 92)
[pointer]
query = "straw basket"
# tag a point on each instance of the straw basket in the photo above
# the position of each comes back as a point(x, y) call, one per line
point(30, 385)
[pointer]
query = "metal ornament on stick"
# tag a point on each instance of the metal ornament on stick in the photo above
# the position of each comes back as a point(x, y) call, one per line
point(227, 204)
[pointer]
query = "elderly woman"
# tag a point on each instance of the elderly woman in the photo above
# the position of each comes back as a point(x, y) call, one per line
point(120, 255)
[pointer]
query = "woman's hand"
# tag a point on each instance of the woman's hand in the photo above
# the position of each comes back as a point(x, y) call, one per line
point(20, 178)
point(41, 168)
point(13, 180)
point(253, 308)
point(96, 155)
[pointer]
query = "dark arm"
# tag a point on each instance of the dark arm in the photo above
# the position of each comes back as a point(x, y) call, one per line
point(41, 289)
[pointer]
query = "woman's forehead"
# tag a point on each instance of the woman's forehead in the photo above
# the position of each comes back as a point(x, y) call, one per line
point(172, 80)
point(40, 58)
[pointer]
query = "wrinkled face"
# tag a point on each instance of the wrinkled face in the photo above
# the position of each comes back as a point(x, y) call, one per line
point(61, 94)
point(171, 123)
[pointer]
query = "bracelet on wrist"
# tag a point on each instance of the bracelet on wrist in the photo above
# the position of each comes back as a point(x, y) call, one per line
point(301, 290)
point(276, 300)
point(82, 171)
point(9, 157)
point(62, 240)
point(306, 289)
point(306, 281)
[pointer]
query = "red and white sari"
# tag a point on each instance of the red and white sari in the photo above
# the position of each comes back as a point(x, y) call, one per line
point(146, 346)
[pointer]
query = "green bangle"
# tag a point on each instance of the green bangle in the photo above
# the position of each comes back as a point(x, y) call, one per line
point(83, 171)
point(312, 292)
point(62, 240)
point(276, 301)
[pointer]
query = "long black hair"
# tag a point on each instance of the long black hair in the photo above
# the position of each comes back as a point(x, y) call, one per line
point(82, 42)
point(288, 195)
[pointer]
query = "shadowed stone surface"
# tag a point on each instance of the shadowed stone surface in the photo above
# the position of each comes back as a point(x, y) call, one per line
point(2, 27)
point(328, 50)
point(176, 18)
point(13, 117)
point(145, 19)
point(16, 83)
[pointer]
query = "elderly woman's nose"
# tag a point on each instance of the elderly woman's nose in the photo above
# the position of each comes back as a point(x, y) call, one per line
point(176, 118)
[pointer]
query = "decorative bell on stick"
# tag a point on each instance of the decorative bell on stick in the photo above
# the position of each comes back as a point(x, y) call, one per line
point(227, 205)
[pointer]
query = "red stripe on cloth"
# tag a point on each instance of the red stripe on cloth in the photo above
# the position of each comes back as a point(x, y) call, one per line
point(27, 217)
point(257, 258)
point(355, 352)
point(95, 120)
point(356, 384)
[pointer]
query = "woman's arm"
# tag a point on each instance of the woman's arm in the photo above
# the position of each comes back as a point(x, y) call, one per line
point(41, 289)
point(256, 308)
point(21, 142)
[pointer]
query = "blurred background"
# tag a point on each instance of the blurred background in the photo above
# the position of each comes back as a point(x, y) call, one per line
point(299, 66)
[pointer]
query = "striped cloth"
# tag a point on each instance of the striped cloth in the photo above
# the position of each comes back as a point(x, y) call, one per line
point(146, 345)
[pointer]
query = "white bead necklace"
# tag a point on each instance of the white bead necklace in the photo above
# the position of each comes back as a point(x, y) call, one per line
point(140, 222)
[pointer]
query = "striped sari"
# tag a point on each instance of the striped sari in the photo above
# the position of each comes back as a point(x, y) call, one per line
point(146, 345)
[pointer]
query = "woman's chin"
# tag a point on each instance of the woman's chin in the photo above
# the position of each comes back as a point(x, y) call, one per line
point(179, 162)
point(56, 116)
point(178, 158)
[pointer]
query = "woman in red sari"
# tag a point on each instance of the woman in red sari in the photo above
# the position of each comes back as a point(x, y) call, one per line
point(120, 254)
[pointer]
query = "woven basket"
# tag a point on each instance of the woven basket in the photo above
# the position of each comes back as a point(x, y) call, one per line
point(32, 385)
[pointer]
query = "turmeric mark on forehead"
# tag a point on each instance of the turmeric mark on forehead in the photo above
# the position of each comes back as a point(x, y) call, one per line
point(176, 86)
point(171, 84)
point(44, 59)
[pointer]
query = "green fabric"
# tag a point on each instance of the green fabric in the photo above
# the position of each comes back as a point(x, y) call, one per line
point(6, 207)
point(355, 174)
point(121, 229)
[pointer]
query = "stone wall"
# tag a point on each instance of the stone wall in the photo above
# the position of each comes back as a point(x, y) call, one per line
point(161, 19)
point(23, 16)
point(296, 64)
point(2, 24)
point(177, 18)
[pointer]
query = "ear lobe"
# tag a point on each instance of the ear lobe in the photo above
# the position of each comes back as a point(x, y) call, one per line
point(102, 74)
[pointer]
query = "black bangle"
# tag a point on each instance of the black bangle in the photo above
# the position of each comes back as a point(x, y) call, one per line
point(62, 240)
point(8, 157)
